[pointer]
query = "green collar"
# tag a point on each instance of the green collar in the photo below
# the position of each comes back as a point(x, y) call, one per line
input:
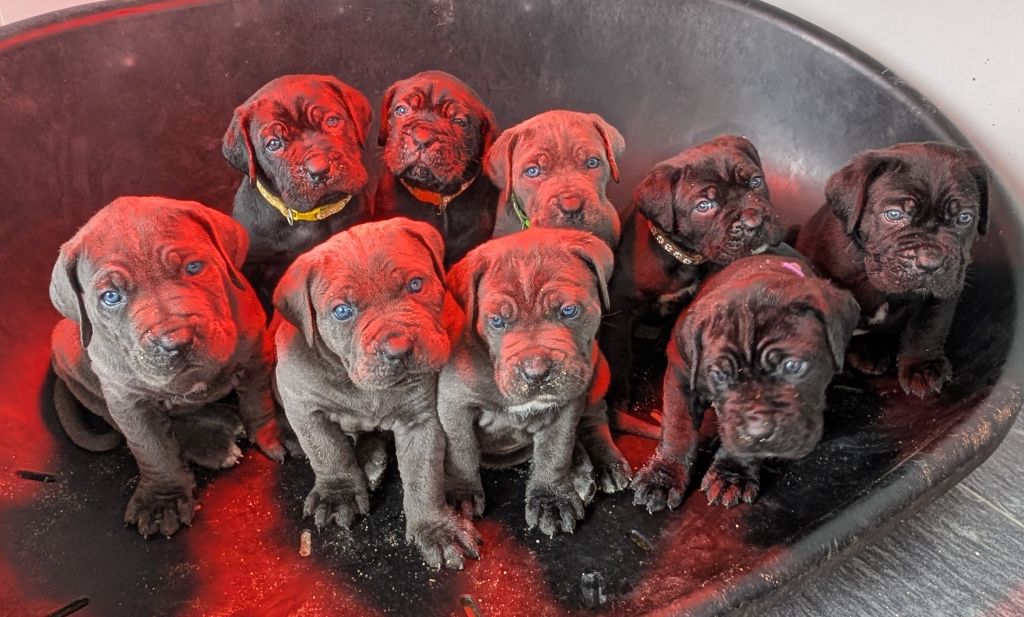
point(517, 209)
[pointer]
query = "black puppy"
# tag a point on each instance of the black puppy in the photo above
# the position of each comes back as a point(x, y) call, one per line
point(759, 344)
point(692, 214)
point(299, 140)
point(434, 130)
point(897, 229)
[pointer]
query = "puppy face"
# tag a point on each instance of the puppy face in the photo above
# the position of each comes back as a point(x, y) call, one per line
point(763, 357)
point(712, 199)
point(371, 296)
point(534, 299)
point(303, 135)
point(149, 281)
point(557, 165)
point(916, 210)
point(434, 130)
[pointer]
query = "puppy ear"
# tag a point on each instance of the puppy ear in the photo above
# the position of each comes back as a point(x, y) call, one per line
point(846, 191)
point(294, 300)
point(614, 144)
point(979, 171)
point(655, 196)
point(228, 237)
point(488, 129)
point(430, 238)
point(689, 341)
point(66, 290)
point(237, 145)
point(599, 258)
point(463, 282)
point(838, 312)
point(385, 116)
point(498, 164)
point(357, 106)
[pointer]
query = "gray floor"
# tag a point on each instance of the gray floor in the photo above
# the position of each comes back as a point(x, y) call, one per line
point(962, 556)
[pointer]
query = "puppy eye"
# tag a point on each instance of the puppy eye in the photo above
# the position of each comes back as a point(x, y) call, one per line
point(568, 311)
point(593, 162)
point(497, 322)
point(893, 215)
point(343, 312)
point(194, 267)
point(964, 218)
point(274, 144)
point(460, 122)
point(415, 285)
point(756, 182)
point(401, 110)
point(794, 368)
point(717, 376)
point(532, 171)
point(705, 205)
point(111, 297)
point(333, 121)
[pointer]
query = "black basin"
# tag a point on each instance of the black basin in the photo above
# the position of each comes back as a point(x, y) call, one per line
point(133, 98)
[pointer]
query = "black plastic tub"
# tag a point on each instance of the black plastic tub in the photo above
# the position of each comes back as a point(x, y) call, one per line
point(133, 98)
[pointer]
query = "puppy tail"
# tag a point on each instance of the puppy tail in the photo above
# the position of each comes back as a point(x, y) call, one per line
point(70, 415)
point(624, 423)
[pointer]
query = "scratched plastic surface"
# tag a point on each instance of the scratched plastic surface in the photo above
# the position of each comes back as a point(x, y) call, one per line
point(133, 98)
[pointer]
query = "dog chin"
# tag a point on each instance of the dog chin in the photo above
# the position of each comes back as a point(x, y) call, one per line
point(426, 176)
point(946, 285)
point(542, 404)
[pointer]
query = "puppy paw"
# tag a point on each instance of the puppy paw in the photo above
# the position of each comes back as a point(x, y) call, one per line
point(727, 484)
point(467, 501)
point(372, 454)
point(268, 439)
point(613, 476)
point(445, 542)
point(659, 485)
point(867, 356)
point(922, 377)
point(338, 501)
point(208, 441)
point(162, 510)
point(553, 508)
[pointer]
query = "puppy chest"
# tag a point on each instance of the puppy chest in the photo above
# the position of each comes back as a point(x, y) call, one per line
point(500, 431)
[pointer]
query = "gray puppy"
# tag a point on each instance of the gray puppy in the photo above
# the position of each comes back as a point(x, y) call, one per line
point(159, 323)
point(526, 375)
point(759, 345)
point(360, 351)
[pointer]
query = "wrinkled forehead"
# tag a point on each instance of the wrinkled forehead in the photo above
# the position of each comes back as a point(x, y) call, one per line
point(438, 91)
point(296, 105)
point(361, 268)
point(747, 328)
point(720, 164)
point(141, 245)
point(528, 278)
point(559, 138)
point(928, 181)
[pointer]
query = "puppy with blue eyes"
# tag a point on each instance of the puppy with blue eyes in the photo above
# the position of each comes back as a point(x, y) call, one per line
point(758, 345)
point(359, 350)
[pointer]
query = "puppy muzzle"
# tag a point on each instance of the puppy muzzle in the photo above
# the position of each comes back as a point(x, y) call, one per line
point(916, 267)
point(777, 429)
point(544, 374)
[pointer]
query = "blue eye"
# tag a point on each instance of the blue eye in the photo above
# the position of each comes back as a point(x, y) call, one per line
point(756, 182)
point(893, 215)
point(415, 285)
point(964, 218)
point(111, 298)
point(532, 171)
point(344, 312)
point(794, 367)
point(333, 121)
point(705, 205)
point(401, 110)
point(569, 311)
point(593, 162)
point(461, 122)
point(718, 376)
point(274, 144)
point(194, 267)
point(496, 321)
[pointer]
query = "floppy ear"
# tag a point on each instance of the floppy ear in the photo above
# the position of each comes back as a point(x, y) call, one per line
point(294, 300)
point(66, 290)
point(237, 146)
point(430, 238)
point(228, 237)
point(488, 128)
point(846, 191)
point(385, 116)
point(463, 282)
point(979, 171)
point(600, 259)
point(614, 144)
point(357, 106)
point(655, 196)
point(838, 312)
point(689, 340)
point(498, 163)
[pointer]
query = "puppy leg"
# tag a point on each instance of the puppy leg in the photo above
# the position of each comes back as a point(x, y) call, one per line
point(663, 480)
point(207, 436)
point(583, 473)
point(611, 470)
point(871, 354)
point(731, 479)
point(462, 486)
point(922, 365)
point(372, 454)
point(256, 403)
point(552, 501)
point(441, 537)
point(616, 337)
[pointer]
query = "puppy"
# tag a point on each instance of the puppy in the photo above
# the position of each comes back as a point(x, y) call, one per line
point(690, 216)
point(359, 350)
point(552, 170)
point(526, 376)
point(159, 323)
point(897, 229)
point(759, 344)
point(299, 141)
point(434, 131)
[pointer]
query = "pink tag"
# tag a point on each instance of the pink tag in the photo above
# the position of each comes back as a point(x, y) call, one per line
point(793, 267)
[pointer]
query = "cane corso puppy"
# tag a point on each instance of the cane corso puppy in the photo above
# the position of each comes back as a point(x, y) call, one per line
point(552, 170)
point(434, 130)
point(690, 216)
point(299, 140)
point(759, 345)
point(526, 376)
point(160, 323)
point(360, 351)
point(897, 229)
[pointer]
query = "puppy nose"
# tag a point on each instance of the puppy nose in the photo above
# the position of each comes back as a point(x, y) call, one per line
point(929, 259)
point(174, 341)
point(396, 347)
point(536, 369)
point(423, 136)
point(317, 167)
point(751, 219)
point(759, 424)
point(570, 205)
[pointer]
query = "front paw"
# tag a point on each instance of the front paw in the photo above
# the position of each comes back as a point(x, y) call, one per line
point(553, 508)
point(727, 484)
point(868, 356)
point(160, 509)
point(613, 476)
point(336, 500)
point(268, 439)
point(660, 484)
point(445, 541)
point(924, 376)
point(468, 501)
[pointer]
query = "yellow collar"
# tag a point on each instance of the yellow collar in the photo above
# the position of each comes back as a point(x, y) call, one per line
point(437, 200)
point(690, 259)
point(316, 214)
